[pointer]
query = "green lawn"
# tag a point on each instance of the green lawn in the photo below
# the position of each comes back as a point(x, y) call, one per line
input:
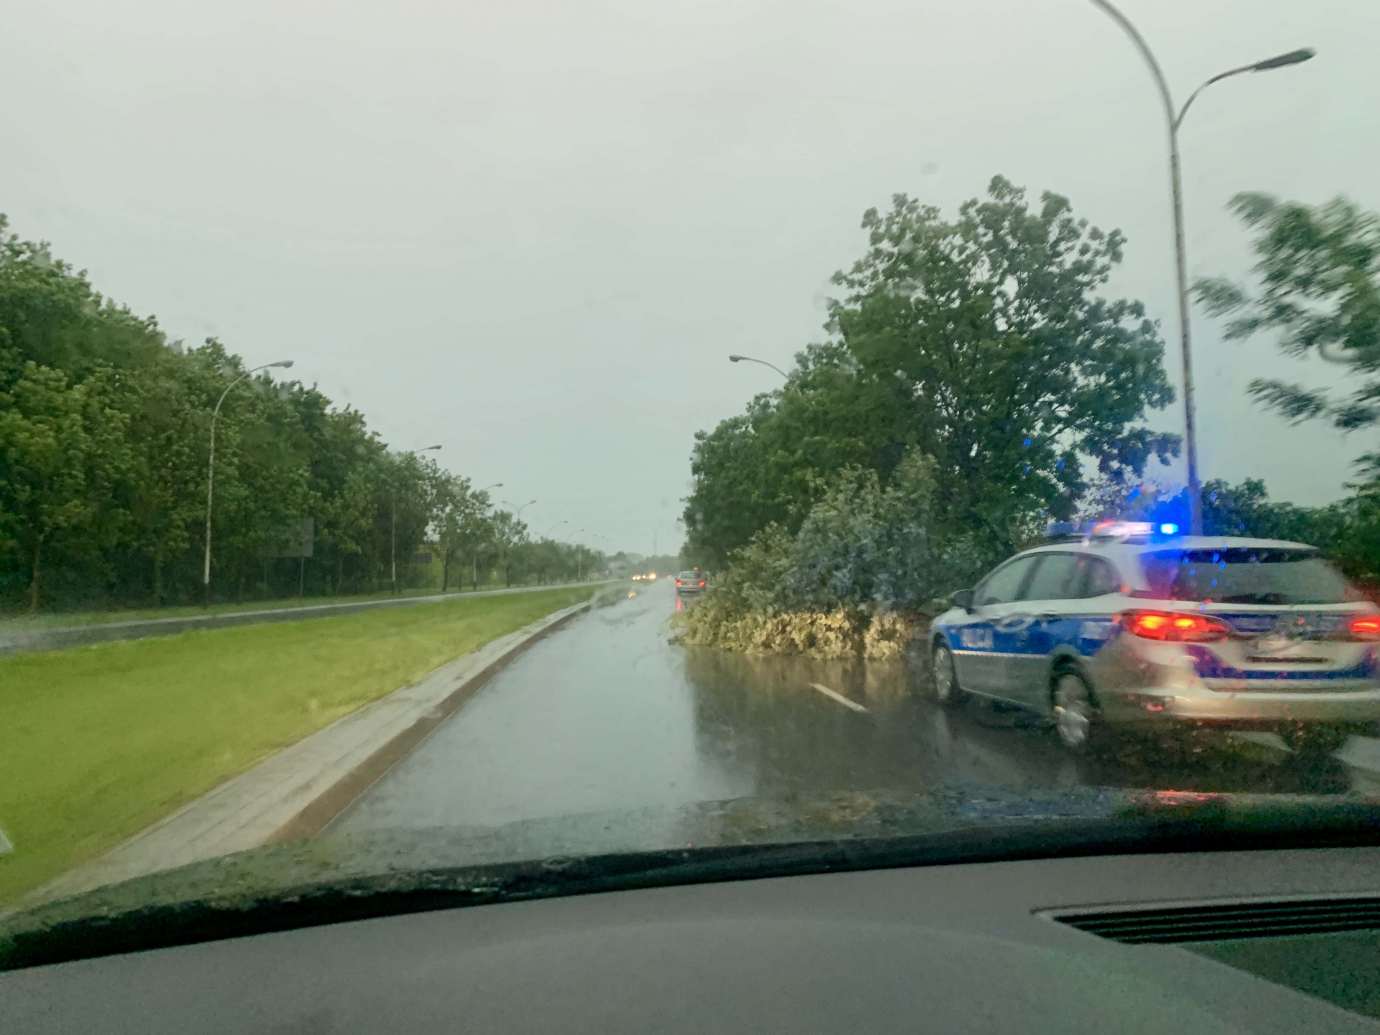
point(63, 619)
point(98, 742)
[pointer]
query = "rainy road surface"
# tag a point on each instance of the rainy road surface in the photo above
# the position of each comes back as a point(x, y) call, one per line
point(607, 715)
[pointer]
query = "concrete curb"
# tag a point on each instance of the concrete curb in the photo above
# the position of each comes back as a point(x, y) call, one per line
point(296, 792)
point(14, 642)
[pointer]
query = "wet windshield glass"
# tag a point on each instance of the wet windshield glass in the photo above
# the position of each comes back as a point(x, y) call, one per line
point(1246, 576)
point(619, 425)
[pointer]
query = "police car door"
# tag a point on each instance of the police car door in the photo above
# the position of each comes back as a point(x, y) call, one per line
point(976, 657)
point(1046, 617)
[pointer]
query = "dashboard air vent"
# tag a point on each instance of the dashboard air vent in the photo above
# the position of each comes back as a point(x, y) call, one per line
point(1259, 919)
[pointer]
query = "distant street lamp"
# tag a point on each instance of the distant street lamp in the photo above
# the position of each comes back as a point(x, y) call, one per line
point(735, 358)
point(474, 556)
point(1293, 57)
point(517, 516)
point(393, 529)
point(211, 470)
point(518, 513)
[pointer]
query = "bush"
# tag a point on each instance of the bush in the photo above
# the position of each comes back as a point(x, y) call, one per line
point(855, 580)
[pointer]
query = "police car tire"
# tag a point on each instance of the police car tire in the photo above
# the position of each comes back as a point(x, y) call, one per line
point(941, 655)
point(1095, 733)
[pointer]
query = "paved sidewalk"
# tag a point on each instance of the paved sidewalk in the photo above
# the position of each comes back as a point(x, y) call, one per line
point(257, 806)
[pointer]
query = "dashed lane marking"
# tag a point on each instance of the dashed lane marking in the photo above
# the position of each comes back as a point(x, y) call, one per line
point(834, 695)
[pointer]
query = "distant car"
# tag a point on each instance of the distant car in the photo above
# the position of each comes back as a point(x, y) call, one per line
point(691, 582)
point(637, 577)
point(1134, 626)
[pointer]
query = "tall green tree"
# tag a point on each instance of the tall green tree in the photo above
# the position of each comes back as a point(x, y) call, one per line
point(63, 450)
point(982, 340)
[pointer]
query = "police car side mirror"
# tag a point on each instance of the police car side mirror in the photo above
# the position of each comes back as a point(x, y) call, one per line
point(963, 598)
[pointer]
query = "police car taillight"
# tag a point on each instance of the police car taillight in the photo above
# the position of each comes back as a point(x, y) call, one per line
point(1174, 627)
point(1365, 627)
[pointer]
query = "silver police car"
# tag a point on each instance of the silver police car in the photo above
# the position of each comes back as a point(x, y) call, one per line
point(1126, 626)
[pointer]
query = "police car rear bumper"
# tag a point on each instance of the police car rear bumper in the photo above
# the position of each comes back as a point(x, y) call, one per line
point(1350, 703)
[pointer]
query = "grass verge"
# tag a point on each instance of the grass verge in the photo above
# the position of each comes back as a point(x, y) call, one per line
point(98, 742)
point(66, 619)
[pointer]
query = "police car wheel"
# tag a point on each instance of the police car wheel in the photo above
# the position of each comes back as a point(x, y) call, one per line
point(944, 678)
point(1075, 712)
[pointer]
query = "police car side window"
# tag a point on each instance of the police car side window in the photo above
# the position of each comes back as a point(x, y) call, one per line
point(1094, 578)
point(1055, 578)
point(1003, 584)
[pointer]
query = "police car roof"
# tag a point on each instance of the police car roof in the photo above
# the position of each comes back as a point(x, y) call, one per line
point(1141, 544)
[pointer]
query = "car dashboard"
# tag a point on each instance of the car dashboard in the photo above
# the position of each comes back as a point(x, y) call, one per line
point(1245, 941)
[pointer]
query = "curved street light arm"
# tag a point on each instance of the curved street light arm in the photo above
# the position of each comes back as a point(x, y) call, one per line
point(211, 471)
point(735, 358)
point(1149, 56)
point(1179, 121)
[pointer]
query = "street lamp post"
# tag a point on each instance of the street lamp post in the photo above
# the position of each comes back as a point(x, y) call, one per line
point(547, 534)
point(211, 471)
point(735, 358)
point(579, 556)
point(393, 525)
point(1174, 121)
point(475, 556)
point(517, 516)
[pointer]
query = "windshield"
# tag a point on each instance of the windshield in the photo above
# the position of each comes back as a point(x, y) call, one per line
point(1246, 576)
point(560, 429)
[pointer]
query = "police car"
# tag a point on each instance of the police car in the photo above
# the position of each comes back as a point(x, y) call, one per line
point(1134, 625)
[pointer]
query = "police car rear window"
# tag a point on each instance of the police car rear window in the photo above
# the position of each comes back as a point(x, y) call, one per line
point(1245, 576)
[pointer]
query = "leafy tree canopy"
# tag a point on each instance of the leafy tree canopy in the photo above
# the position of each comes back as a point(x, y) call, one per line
point(1319, 274)
point(983, 341)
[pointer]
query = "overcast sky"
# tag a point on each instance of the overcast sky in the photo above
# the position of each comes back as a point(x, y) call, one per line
point(533, 230)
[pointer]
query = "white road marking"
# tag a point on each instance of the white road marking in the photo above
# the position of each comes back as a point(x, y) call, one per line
point(835, 695)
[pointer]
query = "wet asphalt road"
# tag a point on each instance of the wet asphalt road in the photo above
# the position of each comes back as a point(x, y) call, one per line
point(607, 715)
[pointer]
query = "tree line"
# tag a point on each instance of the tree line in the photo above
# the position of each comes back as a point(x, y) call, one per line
point(104, 442)
point(981, 349)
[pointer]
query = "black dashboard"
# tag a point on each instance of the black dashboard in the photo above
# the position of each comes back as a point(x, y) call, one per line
point(1242, 941)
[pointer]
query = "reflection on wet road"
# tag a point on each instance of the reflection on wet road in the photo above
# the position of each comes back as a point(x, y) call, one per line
point(607, 715)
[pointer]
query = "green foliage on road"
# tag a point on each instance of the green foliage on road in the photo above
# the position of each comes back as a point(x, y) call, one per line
point(98, 742)
point(854, 579)
point(981, 341)
point(104, 448)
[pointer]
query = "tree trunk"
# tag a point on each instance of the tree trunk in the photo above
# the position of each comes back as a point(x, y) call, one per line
point(34, 573)
point(158, 577)
point(445, 571)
